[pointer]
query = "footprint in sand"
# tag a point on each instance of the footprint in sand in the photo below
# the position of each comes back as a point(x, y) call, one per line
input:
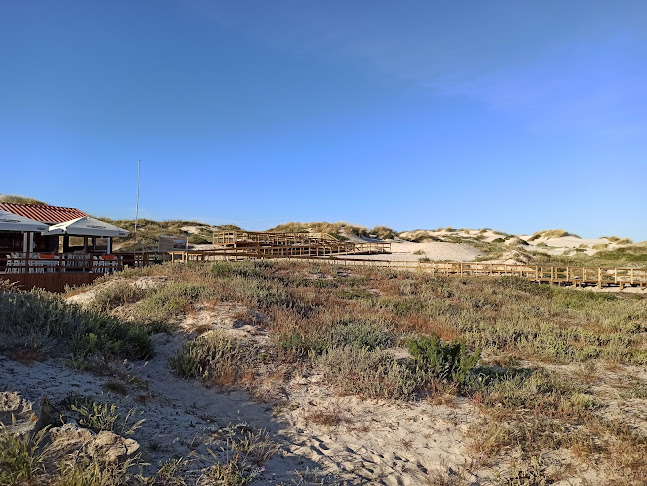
point(316, 450)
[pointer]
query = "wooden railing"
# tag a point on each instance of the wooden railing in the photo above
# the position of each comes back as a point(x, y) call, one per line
point(26, 263)
point(56, 272)
point(578, 276)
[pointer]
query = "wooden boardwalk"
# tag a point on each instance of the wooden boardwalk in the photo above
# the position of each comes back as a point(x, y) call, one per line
point(262, 244)
point(559, 275)
point(56, 272)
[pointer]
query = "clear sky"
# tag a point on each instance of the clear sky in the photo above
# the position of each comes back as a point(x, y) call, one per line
point(515, 115)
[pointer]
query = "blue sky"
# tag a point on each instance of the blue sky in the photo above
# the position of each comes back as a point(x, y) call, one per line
point(513, 115)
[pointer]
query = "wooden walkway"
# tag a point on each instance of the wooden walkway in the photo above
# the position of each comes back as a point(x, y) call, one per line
point(249, 244)
point(560, 275)
point(55, 272)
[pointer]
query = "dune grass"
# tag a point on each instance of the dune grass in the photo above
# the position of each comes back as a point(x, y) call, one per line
point(510, 347)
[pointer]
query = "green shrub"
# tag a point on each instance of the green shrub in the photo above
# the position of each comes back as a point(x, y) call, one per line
point(43, 314)
point(165, 302)
point(448, 361)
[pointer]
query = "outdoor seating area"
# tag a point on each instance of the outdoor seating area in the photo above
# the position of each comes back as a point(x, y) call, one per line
point(33, 255)
point(21, 263)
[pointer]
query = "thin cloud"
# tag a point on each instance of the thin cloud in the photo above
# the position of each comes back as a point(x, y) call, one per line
point(597, 88)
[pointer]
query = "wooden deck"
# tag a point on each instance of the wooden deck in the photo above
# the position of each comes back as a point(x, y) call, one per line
point(56, 272)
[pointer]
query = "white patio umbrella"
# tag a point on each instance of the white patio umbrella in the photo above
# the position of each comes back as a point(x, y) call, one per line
point(86, 226)
point(13, 222)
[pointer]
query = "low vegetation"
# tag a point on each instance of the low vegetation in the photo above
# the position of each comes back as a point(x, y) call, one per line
point(38, 324)
point(554, 233)
point(526, 356)
point(16, 199)
point(336, 229)
point(149, 231)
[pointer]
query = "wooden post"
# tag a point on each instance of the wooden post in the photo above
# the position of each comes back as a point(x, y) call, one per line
point(599, 278)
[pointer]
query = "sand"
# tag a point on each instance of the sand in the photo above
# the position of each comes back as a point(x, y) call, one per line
point(375, 442)
point(434, 250)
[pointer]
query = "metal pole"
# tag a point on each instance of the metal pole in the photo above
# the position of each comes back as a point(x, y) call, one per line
point(137, 207)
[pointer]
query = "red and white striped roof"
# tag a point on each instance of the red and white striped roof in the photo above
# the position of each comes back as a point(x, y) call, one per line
point(44, 214)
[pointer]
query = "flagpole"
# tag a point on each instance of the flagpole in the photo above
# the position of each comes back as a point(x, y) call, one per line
point(137, 208)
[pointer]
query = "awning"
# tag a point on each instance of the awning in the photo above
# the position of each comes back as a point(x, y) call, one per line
point(13, 222)
point(86, 226)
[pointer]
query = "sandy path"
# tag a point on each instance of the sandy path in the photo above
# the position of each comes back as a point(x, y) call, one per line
point(434, 250)
point(391, 443)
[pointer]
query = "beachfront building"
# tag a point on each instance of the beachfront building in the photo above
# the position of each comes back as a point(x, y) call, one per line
point(33, 255)
point(13, 241)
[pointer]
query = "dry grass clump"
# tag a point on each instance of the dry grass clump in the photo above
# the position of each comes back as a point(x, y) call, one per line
point(240, 461)
point(554, 233)
point(534, 413)
point(335, 229)
point(6, 286)
point(368, 374)
point(28, 460)
point(328, 417)
point(115, 294)
point(17, 199)
point(217, 359)
point(20, 457)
